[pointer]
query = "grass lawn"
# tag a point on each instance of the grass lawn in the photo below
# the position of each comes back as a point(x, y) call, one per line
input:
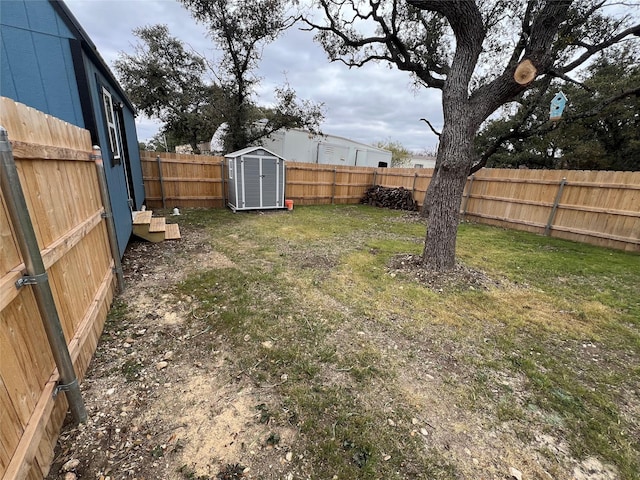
point(383, 377)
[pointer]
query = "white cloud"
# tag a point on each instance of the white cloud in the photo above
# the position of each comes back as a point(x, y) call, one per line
point(368, 104)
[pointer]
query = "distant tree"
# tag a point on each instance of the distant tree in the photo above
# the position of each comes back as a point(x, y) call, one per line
point(481, 55)
point(165, 81)
point(163, 141)
point(593, 134)
point(400, 156)
point(241, 29)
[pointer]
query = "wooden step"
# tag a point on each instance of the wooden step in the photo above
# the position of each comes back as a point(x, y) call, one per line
point(154, 229)
point(142, 218)
point(151, 229)
point(172, 232)
point(157, 224)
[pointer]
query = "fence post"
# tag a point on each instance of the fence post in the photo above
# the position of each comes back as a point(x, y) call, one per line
point(375, 177)
point(38, 278)
point(333, 190)
point(552, 215)
point(164, 205)
point(413, 189)
point(466, 199)
point(224, 192)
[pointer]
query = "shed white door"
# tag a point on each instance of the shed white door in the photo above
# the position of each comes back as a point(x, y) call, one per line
point(262, 182)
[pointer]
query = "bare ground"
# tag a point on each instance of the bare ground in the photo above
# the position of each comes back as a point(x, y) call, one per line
point(166, 399)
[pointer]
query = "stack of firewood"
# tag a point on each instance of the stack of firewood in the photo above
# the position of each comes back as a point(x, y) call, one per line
point(386, 197)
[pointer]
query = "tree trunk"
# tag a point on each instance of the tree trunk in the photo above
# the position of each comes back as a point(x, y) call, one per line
point(444, 194)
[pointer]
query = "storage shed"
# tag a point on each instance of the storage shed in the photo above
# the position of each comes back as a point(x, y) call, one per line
point(255, 178)
point(48, 62)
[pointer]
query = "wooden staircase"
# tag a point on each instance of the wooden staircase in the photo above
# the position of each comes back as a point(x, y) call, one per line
point(154, 229)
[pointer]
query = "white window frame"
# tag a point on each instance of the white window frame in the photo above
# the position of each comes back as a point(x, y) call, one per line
point(112, 125)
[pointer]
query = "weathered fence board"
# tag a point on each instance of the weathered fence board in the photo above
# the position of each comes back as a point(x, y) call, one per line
point(182, 180)
point(61, 190)
point(596, 207)
point(602, 208)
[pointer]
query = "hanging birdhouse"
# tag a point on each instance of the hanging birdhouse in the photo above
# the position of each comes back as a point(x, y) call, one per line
point(557, 106)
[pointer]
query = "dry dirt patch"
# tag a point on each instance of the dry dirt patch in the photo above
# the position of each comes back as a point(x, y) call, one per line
point(165, 400)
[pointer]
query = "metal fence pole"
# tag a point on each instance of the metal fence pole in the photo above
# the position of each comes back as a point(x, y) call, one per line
point(38, 278)
point(552, 215)
point(108, 216)
point(159, 160)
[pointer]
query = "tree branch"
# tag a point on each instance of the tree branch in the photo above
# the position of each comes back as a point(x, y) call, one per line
point(547, 126)
point(539, 50)
point(592, 50)
point(525, 33)
point(514, 132)
point(554, 73)
point(397, 52)
point(431, 126)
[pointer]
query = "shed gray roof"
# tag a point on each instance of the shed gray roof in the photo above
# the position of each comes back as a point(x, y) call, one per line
point(244, 151)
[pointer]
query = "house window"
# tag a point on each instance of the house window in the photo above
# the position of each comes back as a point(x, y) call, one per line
point(112, 127)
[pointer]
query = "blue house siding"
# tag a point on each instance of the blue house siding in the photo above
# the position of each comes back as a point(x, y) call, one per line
point(133, 152)
point(48, 62)
point(115, 172)
point(36, 60)
point(7, 87)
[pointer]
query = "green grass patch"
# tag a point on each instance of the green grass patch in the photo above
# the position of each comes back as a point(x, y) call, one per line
point(554, 350)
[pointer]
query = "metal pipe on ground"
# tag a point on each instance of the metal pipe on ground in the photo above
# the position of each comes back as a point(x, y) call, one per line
point(37, 277)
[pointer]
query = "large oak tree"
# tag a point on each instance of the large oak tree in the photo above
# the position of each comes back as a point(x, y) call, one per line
point(481, 55)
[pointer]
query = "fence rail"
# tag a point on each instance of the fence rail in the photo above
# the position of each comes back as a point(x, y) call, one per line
point(59, 180)
point(601, 208)
point(184, 180)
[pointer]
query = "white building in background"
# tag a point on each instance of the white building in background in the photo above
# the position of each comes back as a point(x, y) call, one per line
point(422, 161)
point(297, 145)
point(204, 147)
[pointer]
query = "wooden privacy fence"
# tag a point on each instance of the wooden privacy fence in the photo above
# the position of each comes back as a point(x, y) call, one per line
point(601, 208)
point(172, 179)
point(59, 180)
point(596, 207)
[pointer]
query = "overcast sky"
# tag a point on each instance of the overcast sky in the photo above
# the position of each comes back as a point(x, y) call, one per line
point(369, 104)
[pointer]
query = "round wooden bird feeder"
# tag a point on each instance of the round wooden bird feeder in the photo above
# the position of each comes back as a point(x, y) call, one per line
point(525, 72)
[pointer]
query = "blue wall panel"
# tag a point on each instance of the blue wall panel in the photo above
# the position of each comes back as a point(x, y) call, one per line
point(42, 17)
point(38, 69)
point(14, 13)
point(7, 87)
point(60, 88)
point(116, 180)
point(63, 30)
point(22, 58)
